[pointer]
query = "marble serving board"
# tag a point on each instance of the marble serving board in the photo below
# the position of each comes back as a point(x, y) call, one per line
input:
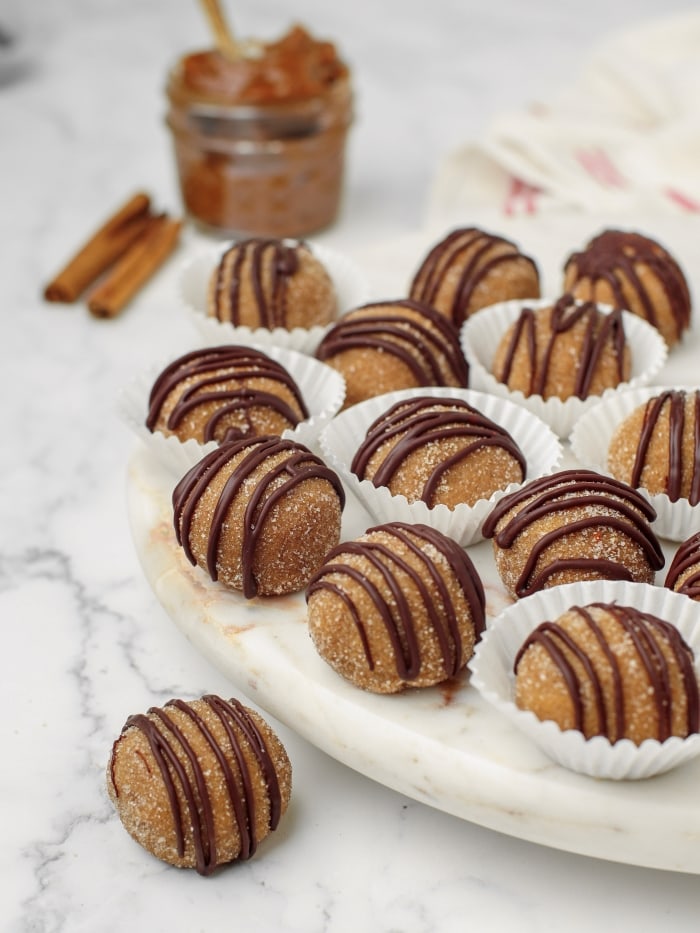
point(444, 746)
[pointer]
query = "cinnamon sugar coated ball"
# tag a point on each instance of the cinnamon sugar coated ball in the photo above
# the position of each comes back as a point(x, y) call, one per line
point(470, 269)
point(259, 515)
point(572, 525)
point(224, 392)
point(438, 451)
point(684, 572)
point(657, 446)
point(402, 606)
point(390, 345)
point(271, 283)
point(567, 349)
point(201, 783)
point(609, 670)
point(633, 272)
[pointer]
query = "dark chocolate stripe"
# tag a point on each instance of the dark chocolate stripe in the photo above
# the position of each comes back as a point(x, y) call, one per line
point(274, 257)
point(686, 557)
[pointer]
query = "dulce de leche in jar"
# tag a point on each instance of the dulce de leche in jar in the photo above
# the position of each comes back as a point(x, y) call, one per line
point(260, 138)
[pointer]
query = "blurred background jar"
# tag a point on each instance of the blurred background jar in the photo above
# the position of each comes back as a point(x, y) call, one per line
point(259, 137)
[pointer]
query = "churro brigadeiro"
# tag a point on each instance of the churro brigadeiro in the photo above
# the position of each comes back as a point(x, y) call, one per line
point(199, 783)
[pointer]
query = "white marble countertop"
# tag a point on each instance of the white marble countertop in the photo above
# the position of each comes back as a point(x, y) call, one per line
point(86, 642)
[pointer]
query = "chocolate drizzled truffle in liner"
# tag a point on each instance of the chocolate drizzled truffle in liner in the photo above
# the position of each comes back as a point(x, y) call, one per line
point(572, 525)
point(568, 349)
point(610, 670)
point(401, 606)
point(389, 345)
point(200, 783)
point(224, 392)
point(439, 451)
point(657, 446)
point(271, 283)
point(259, 514)
point(470, 269)
point(684, 571)
point(633, 272)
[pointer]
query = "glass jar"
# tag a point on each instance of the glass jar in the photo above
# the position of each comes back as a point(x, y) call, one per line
point(260, 167)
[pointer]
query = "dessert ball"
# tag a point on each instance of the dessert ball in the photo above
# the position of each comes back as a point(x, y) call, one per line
point(200, 783)
point(391, 345)
point(223, 393)
point(439, 450)
point(271, 283)
point(684, 572)
point(631, 271)
point(572, 525)
point(259, 514)
point(657, 446)
point(609, 670)
point(402, 606)
point(470, 269)
point(567, 349)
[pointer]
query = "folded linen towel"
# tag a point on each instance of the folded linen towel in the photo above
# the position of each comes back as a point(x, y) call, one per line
point(624, 139)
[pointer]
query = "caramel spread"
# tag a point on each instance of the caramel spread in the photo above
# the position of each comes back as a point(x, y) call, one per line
point(296, 67)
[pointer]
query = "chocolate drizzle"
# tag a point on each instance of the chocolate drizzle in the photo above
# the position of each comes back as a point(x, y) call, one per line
point(686, 558)
point(296, 467)
point(602, 331)
point(487, 253)
point(564, 491)
point(187, 784)
point(427, 420)
point(676, 402)
point(219, 375)
point(645, 632)
point(269, 265)
point(425, 344)
point(389, 599)
point(615, 257)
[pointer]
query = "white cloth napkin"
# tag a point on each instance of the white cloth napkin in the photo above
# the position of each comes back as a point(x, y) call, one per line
point(624, 139)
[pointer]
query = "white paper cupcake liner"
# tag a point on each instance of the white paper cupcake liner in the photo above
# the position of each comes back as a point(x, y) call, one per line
point(340, 439)
point(590, 440)
point(321, 387)
point(481, 334)
point(349, 281)
point(492, 675)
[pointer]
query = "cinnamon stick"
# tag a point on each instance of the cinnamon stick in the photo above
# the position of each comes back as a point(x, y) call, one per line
point(135, 267)
point(104, 247)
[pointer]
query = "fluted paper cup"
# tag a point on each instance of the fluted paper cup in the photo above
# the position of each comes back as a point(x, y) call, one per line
point(342, 436)
point(481, 334)
point(492, 675)
point(321, 387)
point(590, 441)
point(350, 284)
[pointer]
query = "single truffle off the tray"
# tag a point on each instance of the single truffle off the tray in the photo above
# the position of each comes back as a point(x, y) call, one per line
point(401, 606)
point(224, 392)
point(390, 345)
point(470, 269)
point(633, 272)
point(259, 515)
point(609, 670)
point(439, 451)
point(567, 349)
point(201, 783)
point(569, 526)
point(271, 283)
